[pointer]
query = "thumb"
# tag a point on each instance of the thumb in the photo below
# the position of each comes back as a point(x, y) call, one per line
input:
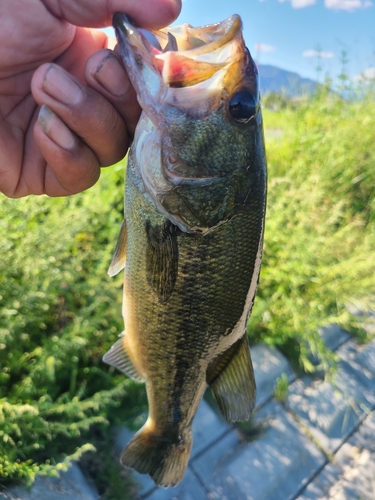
point(149, 14)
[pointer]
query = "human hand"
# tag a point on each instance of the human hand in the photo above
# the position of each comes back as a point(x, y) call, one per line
point(89, 108)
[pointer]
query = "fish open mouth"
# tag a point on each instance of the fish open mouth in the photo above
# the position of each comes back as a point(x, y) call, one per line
point(184, 76)
point(183, 55)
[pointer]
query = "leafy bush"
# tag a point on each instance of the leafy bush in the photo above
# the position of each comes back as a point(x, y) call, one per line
point(59, 313)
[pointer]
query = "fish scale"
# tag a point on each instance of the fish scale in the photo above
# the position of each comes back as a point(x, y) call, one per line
point(195, 142)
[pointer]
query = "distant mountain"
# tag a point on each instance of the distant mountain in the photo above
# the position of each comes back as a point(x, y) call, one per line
point(273, 79)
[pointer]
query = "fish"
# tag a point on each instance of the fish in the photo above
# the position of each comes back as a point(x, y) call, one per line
point(192, 236)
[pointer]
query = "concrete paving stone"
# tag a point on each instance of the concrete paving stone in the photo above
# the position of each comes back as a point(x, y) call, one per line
point(269, 364)
point(357, 459)
point(333, 412)
point(362, 310)
point(208, 426)
point(71, 485)
point(208, 466)
point(189, 489)
point(368, 317)
point(334, 336)
point(352, 475)
point(361, 360)
point(320, 486)
point(355, 386)
point(330, 412)
point(274, 466)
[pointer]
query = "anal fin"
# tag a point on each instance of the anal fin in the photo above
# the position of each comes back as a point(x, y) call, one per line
point(233, 386)
point(119, 256)
point(118, 357)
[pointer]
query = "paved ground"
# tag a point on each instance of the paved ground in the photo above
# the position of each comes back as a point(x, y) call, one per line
point(318, 445)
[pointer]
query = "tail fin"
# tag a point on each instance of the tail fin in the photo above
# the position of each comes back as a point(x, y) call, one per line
point(163, 457)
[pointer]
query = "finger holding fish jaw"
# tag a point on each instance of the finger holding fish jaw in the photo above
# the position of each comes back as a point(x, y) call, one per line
point(81, 128)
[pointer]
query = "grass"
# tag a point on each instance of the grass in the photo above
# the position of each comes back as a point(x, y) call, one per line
point(320, 229)
point(60, 312)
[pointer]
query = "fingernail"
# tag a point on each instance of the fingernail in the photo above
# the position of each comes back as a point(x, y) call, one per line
point(56, 130)
point(112, 76)
point(61, 87)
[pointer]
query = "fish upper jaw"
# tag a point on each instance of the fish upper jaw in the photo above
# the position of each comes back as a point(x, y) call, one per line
point(136, 53)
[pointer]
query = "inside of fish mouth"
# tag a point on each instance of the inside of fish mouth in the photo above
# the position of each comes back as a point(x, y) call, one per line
point(171, 41)
point(167, 42)
point(151, 38)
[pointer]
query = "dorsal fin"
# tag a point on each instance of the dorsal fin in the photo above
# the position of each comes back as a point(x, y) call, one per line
point(118, 357)
point(162, 259)
point(119, 256)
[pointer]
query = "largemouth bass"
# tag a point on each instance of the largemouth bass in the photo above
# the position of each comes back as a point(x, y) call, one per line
point(191, 240)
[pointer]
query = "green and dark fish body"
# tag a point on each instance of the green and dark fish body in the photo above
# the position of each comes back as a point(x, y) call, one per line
point(193, 252)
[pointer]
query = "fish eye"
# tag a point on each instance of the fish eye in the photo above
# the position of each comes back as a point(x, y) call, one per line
point(242, 106)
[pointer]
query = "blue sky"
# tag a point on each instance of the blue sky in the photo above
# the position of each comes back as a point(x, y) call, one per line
point(291, 33)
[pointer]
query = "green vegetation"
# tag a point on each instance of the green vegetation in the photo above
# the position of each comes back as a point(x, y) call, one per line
point(60, 312)
point(281, 388)
point(320, 230)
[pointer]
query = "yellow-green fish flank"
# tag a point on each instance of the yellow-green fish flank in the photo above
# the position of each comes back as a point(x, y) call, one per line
point(191, 241)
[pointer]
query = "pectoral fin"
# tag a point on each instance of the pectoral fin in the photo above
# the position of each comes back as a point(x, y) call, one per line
point(231, 378)
point(162, 259)
point(118, 259)
point(119, 357)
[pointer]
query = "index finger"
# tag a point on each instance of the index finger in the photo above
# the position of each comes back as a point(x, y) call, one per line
point(151, 14)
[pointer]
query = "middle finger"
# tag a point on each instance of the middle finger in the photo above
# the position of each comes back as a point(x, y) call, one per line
point(105, 73)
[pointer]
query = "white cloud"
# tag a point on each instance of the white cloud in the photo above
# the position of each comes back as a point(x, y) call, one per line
point(318, 53)
point(367, 75)
point(348, 5)
point(300, 4)
point(263, 47)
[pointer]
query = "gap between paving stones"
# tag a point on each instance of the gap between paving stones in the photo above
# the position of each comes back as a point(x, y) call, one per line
point(330, 460)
